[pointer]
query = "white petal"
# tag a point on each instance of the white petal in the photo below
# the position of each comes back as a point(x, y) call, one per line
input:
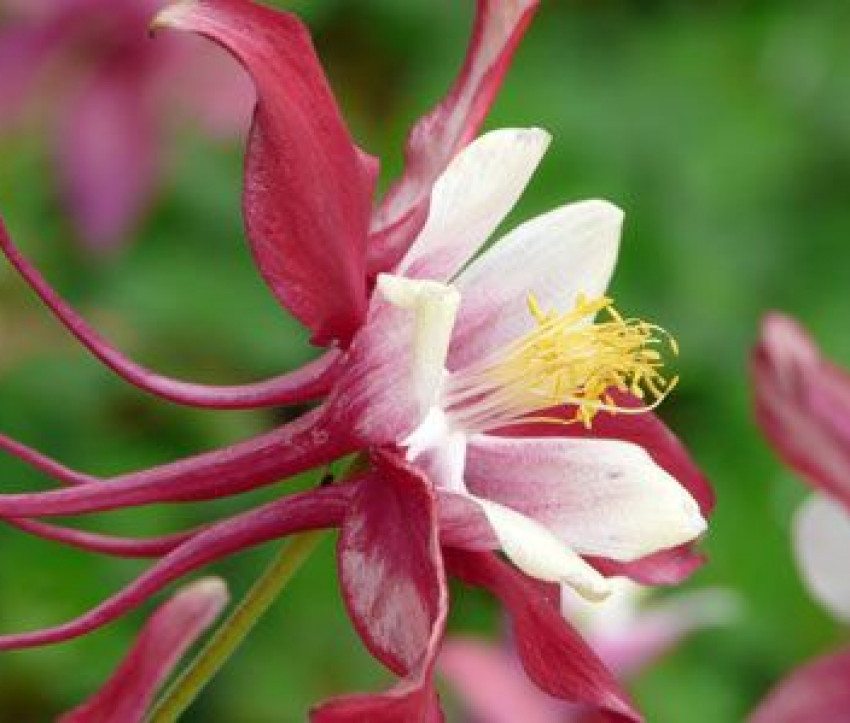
point(616, 613)
point(431, 433)
point(476, 191)
point(600, 497)
point(438, 450)
point(822, 545)
point(557, 256)
point(538, 553)
point(435, 307)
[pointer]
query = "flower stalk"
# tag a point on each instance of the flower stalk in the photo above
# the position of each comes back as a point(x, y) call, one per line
point(236, 628)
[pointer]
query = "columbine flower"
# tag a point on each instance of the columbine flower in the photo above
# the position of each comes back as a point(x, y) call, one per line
point(107, 93)
point(439, 367)
point(437, 376)
point(470, 399)
point(803, 406)
point(628, 632)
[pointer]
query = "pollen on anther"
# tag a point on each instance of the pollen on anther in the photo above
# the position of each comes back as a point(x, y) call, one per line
point(571, 358)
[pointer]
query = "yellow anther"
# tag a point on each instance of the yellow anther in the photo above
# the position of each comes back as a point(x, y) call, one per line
point(570, 359)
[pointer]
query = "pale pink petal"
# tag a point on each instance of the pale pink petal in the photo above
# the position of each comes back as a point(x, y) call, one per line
point(803, 405)
point(434, 140)
point(107, 158)
point(818, 692)
point(174, 627)
point(667, 567)
point(541, 500)
point(600, 497)
point(493, 686)
point(822, 546)
point(646, 430)
point(469, 201)
point(556, 257)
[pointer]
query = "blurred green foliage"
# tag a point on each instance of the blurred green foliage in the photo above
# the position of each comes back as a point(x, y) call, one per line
point(722, 129)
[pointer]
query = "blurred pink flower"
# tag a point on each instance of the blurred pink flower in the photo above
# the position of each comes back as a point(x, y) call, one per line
point(166, 637)
point(816, 692)
point(89, 70)
point(632, 629)
point(802, 403)
point(627, 633)
point(453, 454)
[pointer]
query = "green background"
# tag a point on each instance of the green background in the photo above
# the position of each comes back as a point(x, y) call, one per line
point(723, 130)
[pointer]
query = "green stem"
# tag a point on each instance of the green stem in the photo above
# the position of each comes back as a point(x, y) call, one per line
point(236, 628)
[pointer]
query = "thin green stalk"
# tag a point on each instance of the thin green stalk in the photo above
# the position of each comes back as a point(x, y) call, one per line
point(236, 628)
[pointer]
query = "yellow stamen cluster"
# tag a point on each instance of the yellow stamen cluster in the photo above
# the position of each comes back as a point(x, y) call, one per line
point(570, 359)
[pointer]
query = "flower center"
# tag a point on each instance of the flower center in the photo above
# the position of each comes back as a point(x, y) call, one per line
point(566, 359)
